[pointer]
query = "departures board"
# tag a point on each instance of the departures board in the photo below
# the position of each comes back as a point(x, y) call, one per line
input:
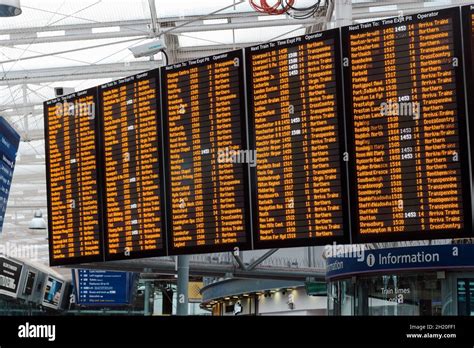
point(9, 143)
point(297, 130)
point(359, 134)
point(132, 160)
point(74, 197)
point(407, 130)
point(205, 136)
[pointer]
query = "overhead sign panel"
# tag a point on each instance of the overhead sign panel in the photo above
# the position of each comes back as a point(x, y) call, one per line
point(205, 131)
point(74, 214)
point(9, 143)
point(296, 126)
point(132, 159)
point(407, 128)
point(102, 288)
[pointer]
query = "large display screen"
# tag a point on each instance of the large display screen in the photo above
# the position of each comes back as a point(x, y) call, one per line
point(132, 157)
point(74, 214)
point(53, 292)
point(204, 115)
point(9, 143)
point(407, 128)
point(102, 288)
point(10, 273)
point(296, 126)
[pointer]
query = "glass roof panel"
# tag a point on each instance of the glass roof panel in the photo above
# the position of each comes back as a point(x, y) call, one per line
point(64, 12)
point(238, 36)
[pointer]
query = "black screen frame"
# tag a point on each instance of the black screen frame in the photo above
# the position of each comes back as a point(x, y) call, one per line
point(81, 259)
point(151, 74)
point(454, 14)
point(247, 244)
point(315, 241)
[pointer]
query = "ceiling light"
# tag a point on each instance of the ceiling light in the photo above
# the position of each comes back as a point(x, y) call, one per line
point(38, 223)
point(9, 8)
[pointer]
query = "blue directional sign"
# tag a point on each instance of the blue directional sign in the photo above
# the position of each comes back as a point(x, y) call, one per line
point(102, 288)
point(9, 142)
point(416, 258)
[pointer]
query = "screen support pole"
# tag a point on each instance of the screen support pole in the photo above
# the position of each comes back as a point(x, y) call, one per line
point(147, 295)
point(343, 13)
point(183, 284)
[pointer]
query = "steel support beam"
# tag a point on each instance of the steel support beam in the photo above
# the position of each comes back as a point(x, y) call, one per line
point(239, 261)
point(361, 11)
point(75, 73)
point(261, 259)
point(205, 48)
point(207, 270)
point(123, 29)
point(154, 18)
point(141, 27)
point(133, 24)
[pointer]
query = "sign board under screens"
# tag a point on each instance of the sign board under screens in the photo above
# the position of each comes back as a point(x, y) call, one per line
point(102, 288)
point(74, 213)
point(10, 273)
point(297, 130)
point(9, 143)
point(53, 292)
point(468, 26)
point(424, 258)
point(407, 134)
point(206, 150)
point(132, 160)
